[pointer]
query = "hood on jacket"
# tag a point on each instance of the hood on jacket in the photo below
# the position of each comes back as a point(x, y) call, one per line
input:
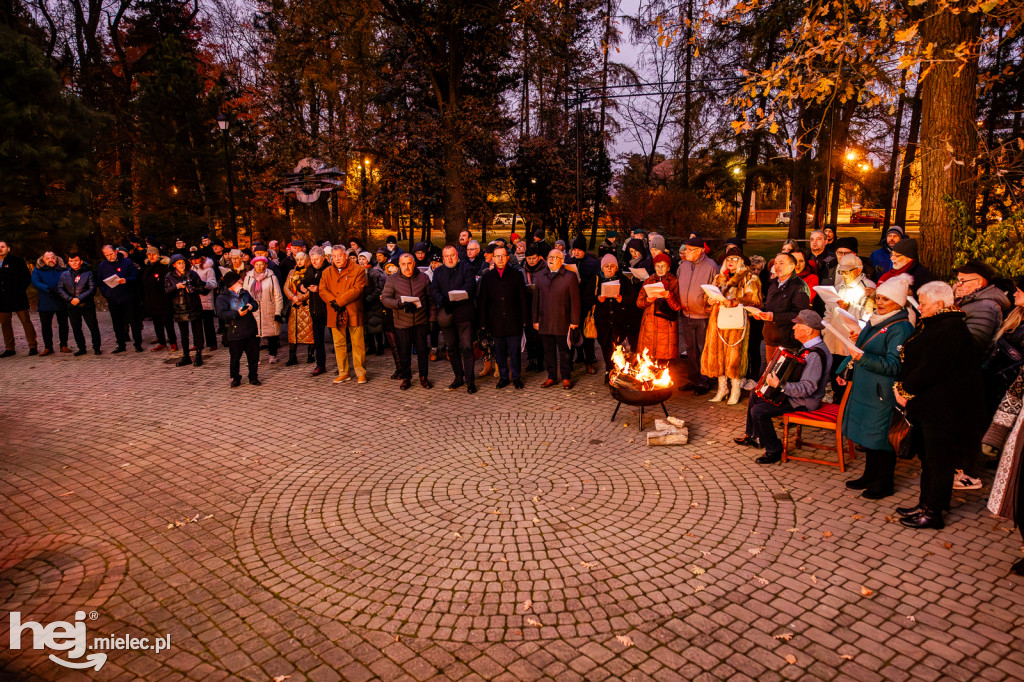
point(988, 293)
point(60, 263)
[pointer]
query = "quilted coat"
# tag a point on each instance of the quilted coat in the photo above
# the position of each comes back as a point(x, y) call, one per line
point(300, 322)
point(271, 302)
point(660, 336)
point(725, 350)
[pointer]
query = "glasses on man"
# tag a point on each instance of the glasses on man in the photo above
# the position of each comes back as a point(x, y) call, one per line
point(961, 282)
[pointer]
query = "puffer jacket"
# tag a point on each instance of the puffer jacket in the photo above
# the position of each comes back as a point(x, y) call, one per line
point(984, 309)
point(373, 309)
point(317, 307)
point(398, 285)
point(185, 302)
point(45, 280)
point(80, 284)
point(237, 327)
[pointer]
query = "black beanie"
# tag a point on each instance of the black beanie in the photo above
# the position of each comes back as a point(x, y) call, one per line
point(906, 247)
point(579, 243)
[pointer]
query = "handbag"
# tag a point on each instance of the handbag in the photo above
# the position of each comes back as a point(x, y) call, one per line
point(899, 433)
point(732, 318)
point(589, 328)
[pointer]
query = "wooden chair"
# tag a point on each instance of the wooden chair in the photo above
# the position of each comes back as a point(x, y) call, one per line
point(828, 416)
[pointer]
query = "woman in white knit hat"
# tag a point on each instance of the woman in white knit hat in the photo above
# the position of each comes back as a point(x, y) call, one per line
point(870, 372)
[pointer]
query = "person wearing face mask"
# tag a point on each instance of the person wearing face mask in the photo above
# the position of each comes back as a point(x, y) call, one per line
point(869, 375)
point(940, 385)
point(659, 334)
point(904, 262)
point(725, 350)
point(787, 295)
point(556, 309)
point(262, 285)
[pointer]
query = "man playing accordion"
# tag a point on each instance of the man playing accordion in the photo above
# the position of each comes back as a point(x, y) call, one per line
point(804, 392)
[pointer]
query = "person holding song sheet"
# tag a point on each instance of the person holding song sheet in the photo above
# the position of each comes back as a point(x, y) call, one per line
point(659, 299)
point(453, 289)
point(695, 270)
point(802, 393)
point(853, 294)
point(725, 348)
point(868, 372)
point(615, 315)
point(503, 313)
point(407, 294)
point(786, 296)
point(556, 311)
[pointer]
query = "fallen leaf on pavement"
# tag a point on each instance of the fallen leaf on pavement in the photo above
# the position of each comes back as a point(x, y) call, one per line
point(698, 588)
point(865, 592)
point(755, 550)
point(791, 659)
point(647, 464)
point(947, 545)
point(587, 564)
point(697, 570)
point(827, 534)
point(785, 636)
point(70, 492)
point(527, 605)
point(814, 579)
point(624, 640)
point(282, 678)
point(533, 621)
point(763, 581)
point(857, 517)
point(912, 619)
point(890, 519)
point(846, 657)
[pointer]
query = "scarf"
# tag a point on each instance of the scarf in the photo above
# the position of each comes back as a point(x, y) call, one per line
point(877, 319)
point(257, 284)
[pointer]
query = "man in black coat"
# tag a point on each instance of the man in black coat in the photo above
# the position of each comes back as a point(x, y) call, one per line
point(156, 304)
point(455, 317)
point(503, 313)
point(14, 281)
point(787, 295)
point(556, 309)
point(589, 271)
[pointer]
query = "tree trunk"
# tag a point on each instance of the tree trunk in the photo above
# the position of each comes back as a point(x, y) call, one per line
point(748, 183)
point(600, 126)
point(687, 98)
point(948, 105)
point(909, 154)
point(890, 185)
point(454, 196)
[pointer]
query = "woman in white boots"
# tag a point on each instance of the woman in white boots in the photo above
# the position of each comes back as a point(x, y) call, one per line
point(725, 350)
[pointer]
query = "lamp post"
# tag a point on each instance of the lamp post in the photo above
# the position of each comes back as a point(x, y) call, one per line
point(223, 122)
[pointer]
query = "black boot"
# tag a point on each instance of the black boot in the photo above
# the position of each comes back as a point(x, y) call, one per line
point(185, 360)
point(292, 356)
point(199, 359)
point(310, 356)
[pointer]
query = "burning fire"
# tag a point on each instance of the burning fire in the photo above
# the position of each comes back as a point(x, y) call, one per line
point(641, 369)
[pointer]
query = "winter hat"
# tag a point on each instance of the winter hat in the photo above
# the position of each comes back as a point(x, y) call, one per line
point(609, 258)
point(656, 241)
point(247, 252)
point(895, 289)
point(636, 244)
point(539, 234)
point(906, 247)
point(420, 246)
point(514, 237)
point(436, 258)
point(809, 318)
point(850, 262)
point(175, 258)
point(230, 279)
point(532, 251)
point(976, 267)
point(560, 242)
point(391, 239)
point(367, 255)
point(260, 246)
point(611, 234)
point(897, 229)
point(694, 242)
point(847, 243)
point(152, 249)
point(663, 258)
point(234, 253)
point(258, 259)
point(194, 253)
point(734, 252)
point(580, 243)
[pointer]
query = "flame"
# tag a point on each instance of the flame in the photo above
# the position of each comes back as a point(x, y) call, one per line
point(642, 369)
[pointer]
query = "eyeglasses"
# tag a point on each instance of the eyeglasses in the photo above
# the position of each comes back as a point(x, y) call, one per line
point(960, 282)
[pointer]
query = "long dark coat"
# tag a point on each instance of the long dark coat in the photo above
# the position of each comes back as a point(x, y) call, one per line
point(502, 302)
point(871, 401)
point(556, 302)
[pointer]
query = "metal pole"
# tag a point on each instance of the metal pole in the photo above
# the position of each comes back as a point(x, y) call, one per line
point(231, 189)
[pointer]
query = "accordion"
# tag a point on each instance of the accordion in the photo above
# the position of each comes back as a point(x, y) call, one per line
point(786, 366)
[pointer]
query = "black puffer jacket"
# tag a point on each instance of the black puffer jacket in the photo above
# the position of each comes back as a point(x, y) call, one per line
point(186, 304)
point(80, 284)
point(373, 309)
point(317, 307)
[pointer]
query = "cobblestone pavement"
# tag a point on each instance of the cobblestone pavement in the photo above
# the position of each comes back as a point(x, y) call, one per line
point(329, 532)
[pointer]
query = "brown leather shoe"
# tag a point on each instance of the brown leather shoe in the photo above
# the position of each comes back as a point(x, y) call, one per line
point(45, 352)
point(591, 369)
point(433, 356)
point(65, 349)
point(405, 384)
point(157, 348)
point(566, 384)
point(548, 384)
point(425, 382)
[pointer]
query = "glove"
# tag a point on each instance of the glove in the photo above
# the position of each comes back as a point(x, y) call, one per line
point(409, 308)
point(277, 318)
point(337, 308)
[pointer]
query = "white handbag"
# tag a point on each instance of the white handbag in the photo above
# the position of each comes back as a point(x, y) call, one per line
point(732, 318)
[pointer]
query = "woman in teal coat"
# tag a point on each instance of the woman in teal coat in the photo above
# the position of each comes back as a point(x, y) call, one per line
point(871, 375)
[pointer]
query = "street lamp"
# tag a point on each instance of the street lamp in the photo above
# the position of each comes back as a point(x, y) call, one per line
point(223, 122)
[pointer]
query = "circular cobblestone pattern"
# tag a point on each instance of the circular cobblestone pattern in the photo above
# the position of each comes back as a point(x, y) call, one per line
point(543, 523)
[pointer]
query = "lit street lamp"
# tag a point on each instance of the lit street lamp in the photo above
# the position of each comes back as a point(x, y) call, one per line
point(223, 122)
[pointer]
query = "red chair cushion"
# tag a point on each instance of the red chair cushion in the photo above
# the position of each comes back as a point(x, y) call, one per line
point(826, 413)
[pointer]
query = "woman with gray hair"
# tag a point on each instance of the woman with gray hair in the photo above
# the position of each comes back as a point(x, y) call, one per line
point(940, 386)
point(317, 307)
point(300, 322)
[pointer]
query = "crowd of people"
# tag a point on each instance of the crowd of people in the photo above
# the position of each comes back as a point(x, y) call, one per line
point(923, 368)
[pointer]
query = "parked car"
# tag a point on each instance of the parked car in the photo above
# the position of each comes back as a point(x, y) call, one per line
point(876, 218)
point(505, 220)
point(783, 218)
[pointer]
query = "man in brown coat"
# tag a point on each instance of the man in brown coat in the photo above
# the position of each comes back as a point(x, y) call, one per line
point(341, 288)
point(412, 317)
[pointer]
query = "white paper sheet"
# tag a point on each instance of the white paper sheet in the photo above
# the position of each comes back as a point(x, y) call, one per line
point(412, 299)
point(714, 293)
point(610, 289)
point(640, 273)
point(655, 290)
point(224, 271)
point(112, 281)
point(850, 321)
point(843, 338)
point(828, 294)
